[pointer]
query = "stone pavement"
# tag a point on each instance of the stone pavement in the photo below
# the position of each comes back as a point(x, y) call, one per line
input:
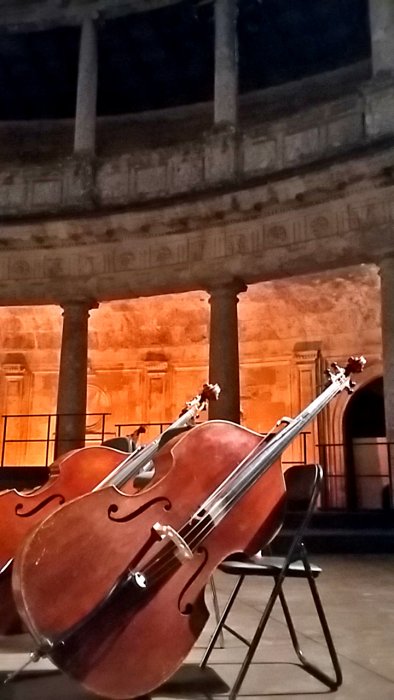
point(358, 595)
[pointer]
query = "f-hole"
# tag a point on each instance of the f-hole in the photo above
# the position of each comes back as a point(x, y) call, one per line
point(364, 419)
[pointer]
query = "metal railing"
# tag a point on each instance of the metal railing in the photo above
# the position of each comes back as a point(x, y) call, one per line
point(162, 425)
point(119, 426)
point(49, 438)
point(360, 486)
point(362, 489)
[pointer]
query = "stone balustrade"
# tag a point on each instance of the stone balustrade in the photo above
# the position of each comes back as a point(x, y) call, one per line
point(216, 159)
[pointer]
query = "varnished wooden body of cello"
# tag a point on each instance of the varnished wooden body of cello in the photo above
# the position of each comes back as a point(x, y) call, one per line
point(73, 474)
point(79, 554)
point(81, 471)
point(22, 511)
point(126, 574)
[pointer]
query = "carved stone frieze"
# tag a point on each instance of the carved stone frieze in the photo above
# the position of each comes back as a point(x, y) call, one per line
point(351, 228)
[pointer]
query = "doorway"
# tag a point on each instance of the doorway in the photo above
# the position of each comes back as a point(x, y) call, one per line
point(365, 448)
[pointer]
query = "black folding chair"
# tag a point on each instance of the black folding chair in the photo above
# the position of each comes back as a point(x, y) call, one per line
point(303, 484)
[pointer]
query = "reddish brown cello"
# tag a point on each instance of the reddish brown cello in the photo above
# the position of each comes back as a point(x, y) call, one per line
point(75, 473)
point(127, 573)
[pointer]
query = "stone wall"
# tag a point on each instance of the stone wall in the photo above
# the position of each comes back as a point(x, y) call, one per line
point(148, 356)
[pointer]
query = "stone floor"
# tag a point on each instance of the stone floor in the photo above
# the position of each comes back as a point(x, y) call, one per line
point(358, 595)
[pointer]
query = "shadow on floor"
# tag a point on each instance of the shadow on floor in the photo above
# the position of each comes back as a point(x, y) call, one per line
point(188, 680)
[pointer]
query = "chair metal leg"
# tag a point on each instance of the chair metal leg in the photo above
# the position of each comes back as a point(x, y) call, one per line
point(255, 641)
point(297, 550)
point(332, 683)
point(216, 608)
point(221, 622)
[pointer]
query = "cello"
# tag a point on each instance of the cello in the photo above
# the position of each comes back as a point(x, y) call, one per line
point(127, 573)
point(74, 473)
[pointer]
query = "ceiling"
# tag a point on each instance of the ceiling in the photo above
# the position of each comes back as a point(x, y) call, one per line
point(164, 57)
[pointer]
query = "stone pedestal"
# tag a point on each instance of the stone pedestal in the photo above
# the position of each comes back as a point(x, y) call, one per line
point(85, 115)
point(226, 63)
point(223, 351)
point(72, 389)
point(381, 13)
point(387, 296)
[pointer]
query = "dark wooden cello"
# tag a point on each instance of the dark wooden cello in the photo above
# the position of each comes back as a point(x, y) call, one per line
point(75, 473)
point(126, 574)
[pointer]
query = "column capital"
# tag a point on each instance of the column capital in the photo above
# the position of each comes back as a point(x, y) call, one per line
point(230, 288)
point(91, 16)
point(79, 303)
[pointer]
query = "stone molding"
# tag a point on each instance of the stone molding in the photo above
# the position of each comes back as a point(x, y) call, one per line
point(342, 232)
point(35, 16)
point(14, 370)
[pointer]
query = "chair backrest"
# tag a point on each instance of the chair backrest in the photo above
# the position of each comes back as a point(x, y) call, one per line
point(301, 481)
point(123, 443)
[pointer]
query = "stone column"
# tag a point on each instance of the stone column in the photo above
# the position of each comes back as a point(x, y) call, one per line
point(381, 14)
point(85, 115)
point(226, 63)
point(387, 296)
point(72, 389)
point(223, 350)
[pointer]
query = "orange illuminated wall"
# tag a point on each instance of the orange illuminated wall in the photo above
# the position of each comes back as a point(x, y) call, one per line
point(147, 356)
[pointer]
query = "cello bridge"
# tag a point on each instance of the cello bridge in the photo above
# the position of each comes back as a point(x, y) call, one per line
point(167, 531)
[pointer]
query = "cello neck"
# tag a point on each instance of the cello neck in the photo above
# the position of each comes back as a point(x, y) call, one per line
point(264, 455)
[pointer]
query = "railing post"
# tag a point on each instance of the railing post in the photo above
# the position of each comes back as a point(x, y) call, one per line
point(4, 440)
point(48, 438)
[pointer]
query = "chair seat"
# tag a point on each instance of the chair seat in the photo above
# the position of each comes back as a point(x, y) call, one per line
point(263, 565)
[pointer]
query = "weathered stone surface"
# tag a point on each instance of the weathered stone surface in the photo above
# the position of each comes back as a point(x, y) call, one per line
point(259, 154)
point(192, 161)
point(283, 325)
point(31, 14)
point(325, 219)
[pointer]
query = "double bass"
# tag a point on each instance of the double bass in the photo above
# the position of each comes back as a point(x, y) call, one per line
point(74, 473)
point(126, 574)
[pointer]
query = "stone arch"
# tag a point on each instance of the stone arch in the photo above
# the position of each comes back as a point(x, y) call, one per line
point(333, 452)
point(366, 448)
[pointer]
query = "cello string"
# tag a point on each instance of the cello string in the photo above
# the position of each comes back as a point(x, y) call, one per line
point(159, 567)
point(194, 407)
point(245, 480)
point(162, 564)
point(196, 527)
point(202, 534)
